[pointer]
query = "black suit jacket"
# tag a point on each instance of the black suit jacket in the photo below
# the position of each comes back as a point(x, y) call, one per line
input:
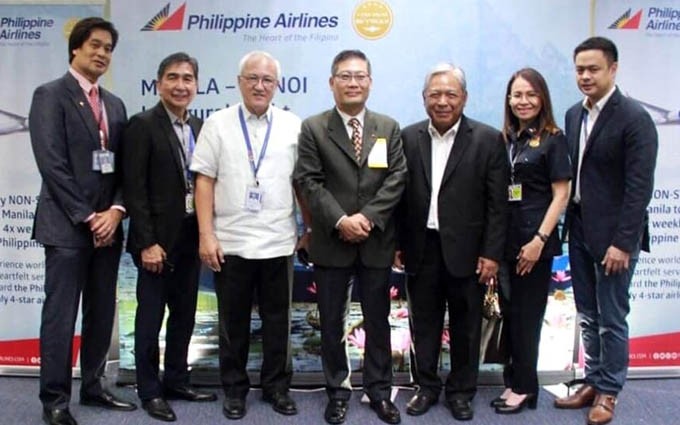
point(334, 183)
point(617, 174)
point(64, 133)
point(472, 199)
point(154, 179)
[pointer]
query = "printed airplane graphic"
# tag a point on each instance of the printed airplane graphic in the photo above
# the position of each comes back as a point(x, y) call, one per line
point(660, 115)
point(12, 123)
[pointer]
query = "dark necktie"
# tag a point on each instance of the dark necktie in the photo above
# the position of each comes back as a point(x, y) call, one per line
point(356, 137)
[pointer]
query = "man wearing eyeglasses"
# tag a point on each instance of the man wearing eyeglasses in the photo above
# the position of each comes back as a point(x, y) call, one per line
point(245, 205)
point(351, 170)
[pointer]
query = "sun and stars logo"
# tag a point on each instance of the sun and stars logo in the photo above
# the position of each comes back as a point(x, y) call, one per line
point(164, 21)
point(627, 22)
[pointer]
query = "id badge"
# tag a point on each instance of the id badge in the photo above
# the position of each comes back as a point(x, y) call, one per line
point(103, 160)
point(377, 158)
point(515, 192)
point(254, 199)
point(189, 205)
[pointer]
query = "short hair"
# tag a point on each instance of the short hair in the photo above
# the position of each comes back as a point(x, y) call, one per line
point(546, 120)
point(179, 57)
point(444, 68)
point(603, 44)
point(259, 54)
point(83, 29)
point(349, 54)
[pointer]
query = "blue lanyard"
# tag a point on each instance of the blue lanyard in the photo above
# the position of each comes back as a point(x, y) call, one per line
point(584, 124)
point(186, 156)
point(251, 157)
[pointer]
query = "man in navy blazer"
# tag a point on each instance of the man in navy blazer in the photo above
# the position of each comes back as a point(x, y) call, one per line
point(613, 145)
point(75, 130)
point(452, 225)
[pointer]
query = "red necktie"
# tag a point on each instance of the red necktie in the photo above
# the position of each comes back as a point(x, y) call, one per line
point(356, 137)
point(95, 104)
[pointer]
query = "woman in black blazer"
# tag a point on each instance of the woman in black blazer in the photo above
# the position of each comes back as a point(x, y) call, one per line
point(538, 192)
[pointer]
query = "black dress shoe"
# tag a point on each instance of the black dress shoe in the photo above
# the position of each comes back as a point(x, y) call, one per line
point(281, 403)
point(188, 394)
point(387, 411)
point(498, 401)
point(529, 401)
point(58, 417)
point(336, 410)
point(158, 408)
point(234, 408)
point(108, 401)
point(420, 404)
point(461, 409)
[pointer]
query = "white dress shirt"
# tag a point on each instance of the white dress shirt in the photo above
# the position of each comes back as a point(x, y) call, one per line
point(441, 149)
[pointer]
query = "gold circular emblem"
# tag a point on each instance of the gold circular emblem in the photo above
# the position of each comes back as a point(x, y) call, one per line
point(534, 142)
point(372, 19)
point(68, 27)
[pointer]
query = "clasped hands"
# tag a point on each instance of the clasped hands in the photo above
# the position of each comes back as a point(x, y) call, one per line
point(103, 226)
point(355, 228)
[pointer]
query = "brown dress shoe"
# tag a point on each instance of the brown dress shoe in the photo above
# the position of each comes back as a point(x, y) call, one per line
point(602, 411)
point(583, 397)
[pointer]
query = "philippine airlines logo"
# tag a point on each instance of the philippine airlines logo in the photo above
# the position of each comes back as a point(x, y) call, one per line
point(163, 21)
point(626, 22)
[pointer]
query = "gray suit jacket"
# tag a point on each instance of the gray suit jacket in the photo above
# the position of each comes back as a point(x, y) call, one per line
point(64, 133)
point(334, 183)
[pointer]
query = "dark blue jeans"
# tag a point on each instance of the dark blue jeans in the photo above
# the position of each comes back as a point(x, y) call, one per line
point(602, 304)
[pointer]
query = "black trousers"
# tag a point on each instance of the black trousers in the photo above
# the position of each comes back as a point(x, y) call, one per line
point(240, 280)
point(523, 319)
point(334, 287)
point(70, 272)
point(430, 290)
point(177, 288)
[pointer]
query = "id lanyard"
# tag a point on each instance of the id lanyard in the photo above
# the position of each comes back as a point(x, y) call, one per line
point(187, 160)
point(513, 158)
point(251, 157)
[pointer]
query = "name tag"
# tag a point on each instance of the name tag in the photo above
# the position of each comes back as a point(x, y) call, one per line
point(254, 199)
point(103, 161)
point(189, 205)
point(377, 158)
point(515, 192)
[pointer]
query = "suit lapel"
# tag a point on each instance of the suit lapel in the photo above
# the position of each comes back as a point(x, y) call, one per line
point(170, 137)
point(368, 136)
point(338, 134)
point(605, 115)
point(460, 144)
point(425, 149)
point(574, 135)
point(83, 107)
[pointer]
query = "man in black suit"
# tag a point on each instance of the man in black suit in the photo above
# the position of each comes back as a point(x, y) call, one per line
point(613, 145)
point(75, 130)
point(452, 221)
point(163, 234)
point(351, 170)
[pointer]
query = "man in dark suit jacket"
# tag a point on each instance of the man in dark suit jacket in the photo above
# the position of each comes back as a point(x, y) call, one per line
point(163, 234)
point(75, 130)
point(452, 221)
point(352, 177)
point(613, 145)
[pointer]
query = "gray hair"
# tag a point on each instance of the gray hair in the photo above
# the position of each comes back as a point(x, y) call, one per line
point(445, 68)
point(259, 54)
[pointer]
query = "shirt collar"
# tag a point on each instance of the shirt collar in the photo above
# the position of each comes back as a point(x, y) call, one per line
point(83, 82)
point(346, 117)
point(249, 116)
point(174, 118)
point(600, 103)
point(434, 133)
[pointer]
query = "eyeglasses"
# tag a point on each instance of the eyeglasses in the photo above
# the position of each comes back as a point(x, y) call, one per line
point(359, 77)
point(253, 80)
point(530, 96)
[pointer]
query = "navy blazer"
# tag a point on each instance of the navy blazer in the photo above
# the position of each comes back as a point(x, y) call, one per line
point(617, 174)
point(472, 199)
point(64, 133)
point(154, 179)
